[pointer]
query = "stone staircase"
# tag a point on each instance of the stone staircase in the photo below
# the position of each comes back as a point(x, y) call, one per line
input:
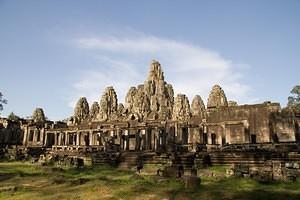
point(183, 162)
point(103, 158)
point(153, 158)
point(129, 160)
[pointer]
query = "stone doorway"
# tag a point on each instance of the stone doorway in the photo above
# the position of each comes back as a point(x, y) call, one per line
point(253, 138)
point(213, 139)
point(50, 139)
point(185, 135)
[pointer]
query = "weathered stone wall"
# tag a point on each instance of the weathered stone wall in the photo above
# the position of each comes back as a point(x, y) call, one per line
point(236, 134)
point(258, 117)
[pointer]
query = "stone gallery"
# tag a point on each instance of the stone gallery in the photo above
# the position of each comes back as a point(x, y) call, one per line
point(155, 126)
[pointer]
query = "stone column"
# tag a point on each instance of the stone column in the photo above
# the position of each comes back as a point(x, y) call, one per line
point(122, 139)
point(55, 138)
point(34, 136)
point(78, 138)
point(126, 140)
point(25, 137)
point(59, 138)
point(154, 138)
point(112, 135)
point(143, 141)
point(67, 138)
point(45, 142)
point(91, 142)
point(137, 140)
point(148, 139)
point(118, 137)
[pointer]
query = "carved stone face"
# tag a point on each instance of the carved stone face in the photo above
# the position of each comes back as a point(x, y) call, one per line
point(217, 98)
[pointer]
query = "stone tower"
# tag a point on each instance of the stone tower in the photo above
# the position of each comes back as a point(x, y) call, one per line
point(181, 109)
point(154, 97)
point(38, 115)
point(108, 104)
point(81, 110)
point(198, 107)
point(94, 111)
point(217, 98)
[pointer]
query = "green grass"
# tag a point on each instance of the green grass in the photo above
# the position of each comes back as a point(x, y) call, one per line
point(22, 180)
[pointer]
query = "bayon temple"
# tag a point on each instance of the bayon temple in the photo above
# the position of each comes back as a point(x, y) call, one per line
point(154, 123)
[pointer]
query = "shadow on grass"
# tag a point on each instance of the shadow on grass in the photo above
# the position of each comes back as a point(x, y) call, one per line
point(5, 177)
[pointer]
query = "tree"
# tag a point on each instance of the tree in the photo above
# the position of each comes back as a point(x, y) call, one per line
point(13, 117)
point(2, 101)
point(294, 99)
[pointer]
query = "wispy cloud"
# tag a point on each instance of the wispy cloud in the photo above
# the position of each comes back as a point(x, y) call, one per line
point(123, 62)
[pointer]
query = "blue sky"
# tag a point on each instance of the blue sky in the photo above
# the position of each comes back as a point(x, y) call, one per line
point(53, 52)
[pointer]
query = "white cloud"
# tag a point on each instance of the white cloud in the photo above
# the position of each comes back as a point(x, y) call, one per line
point(124, 62)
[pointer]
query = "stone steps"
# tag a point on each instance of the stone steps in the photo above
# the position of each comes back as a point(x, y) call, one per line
point(129, 160)
point(103, 159)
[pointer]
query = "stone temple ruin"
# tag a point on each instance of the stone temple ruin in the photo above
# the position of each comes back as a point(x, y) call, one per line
point(154, 126)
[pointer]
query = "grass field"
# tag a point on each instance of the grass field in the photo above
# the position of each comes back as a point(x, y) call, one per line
point(22, 180)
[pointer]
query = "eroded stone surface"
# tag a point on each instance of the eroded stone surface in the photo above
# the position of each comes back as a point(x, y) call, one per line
point(198, 107)
point(38, 115)
point(181, 110)
point(81, 111)
point(95, 108)
point(108, 105)
point(217, 98)
point(155, 96)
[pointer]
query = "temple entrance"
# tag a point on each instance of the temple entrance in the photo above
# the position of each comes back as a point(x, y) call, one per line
point(30, 138)
point(213, 138)
point(50, 139)
point(253, 138)
point(275, 138)
point(185, 135)
point(148, 139)
point(87, 140)
point(72, 139)
point(138, 140)
point(223, 140)
point(205, 138)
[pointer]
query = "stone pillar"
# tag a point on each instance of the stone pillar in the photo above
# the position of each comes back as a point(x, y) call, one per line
point(91, 142)
point(143, 139)
point(137, 140)
point(122, 140)
point(126, 140)
point(55, 138)
point(25, 137)
point(153, 143)
point(177, 134)
point(67, 139)
point(45, 142)
point(59, 138)
point(118, 137)
point(112, 135)
point(34, 136)
point(78, 138)
point(148, 139)
point(155, 138)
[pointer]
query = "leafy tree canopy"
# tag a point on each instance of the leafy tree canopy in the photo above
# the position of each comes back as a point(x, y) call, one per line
point(13, 117)
point(2, 101)
point(294, 99)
